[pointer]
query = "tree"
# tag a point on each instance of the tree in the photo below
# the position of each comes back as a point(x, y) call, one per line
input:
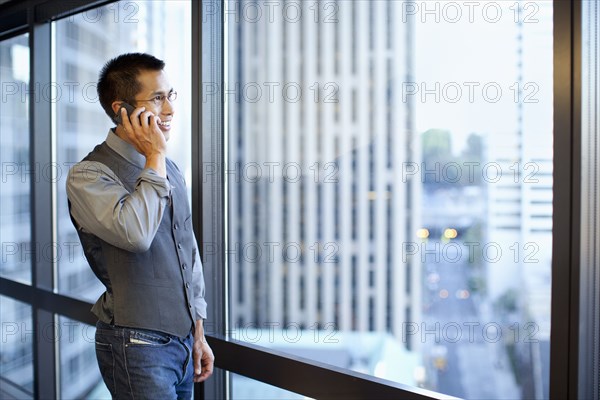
point(436, 145)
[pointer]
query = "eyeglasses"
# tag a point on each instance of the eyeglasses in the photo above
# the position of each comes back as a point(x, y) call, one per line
point(159, 99)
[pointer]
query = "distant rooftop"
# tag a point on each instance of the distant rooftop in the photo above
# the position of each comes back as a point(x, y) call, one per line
point(372, 353)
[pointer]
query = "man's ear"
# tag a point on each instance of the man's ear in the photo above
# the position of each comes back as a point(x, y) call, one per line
point(116, 106)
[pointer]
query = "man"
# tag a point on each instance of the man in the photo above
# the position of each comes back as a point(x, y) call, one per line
point(129, 205)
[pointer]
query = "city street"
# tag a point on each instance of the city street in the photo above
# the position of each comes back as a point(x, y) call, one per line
point(475, 364)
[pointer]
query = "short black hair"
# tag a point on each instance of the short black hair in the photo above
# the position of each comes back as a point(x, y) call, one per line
point(118, 78)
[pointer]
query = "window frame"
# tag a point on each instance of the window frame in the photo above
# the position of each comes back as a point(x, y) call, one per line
point(303, 376)
point(566, 205)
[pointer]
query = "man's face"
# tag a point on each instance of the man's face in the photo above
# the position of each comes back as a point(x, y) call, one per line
point(155, 86)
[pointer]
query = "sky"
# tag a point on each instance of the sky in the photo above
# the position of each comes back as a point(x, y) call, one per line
point(479, 50)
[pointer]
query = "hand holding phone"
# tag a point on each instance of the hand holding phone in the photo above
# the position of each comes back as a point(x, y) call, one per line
point(145, 136)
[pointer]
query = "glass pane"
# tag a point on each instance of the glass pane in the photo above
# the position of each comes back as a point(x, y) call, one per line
point(390, 185)
point(244, 388)
point(79, 374)
point(16, 349)
point(83, 43)
point(15, 213)
point(489, 280)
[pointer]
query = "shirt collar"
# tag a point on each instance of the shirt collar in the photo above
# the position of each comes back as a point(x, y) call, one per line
point(124, 149)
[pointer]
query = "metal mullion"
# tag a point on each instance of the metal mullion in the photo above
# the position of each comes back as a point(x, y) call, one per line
point(12, 21)
point(12, 33)
point(207, 180)
point(19, 15)
point(566, 201)
point(54, 10)
point(42, 276)
point(69, 307)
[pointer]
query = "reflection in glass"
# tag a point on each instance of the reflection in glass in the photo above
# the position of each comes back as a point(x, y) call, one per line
point(83, 43)
point(15, 213)
point(16, 348)
point(395, 188)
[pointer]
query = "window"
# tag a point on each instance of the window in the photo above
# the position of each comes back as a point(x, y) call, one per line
point(80, 376)
point(16, 351)
point(95, 36)
point(385, 218)
point(15, 214)
point(317, 104)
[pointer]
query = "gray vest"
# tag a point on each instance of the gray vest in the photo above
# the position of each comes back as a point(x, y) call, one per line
point(153, 289)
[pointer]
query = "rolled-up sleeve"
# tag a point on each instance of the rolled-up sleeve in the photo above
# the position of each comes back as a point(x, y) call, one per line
point(198, 285)
point(101, 205)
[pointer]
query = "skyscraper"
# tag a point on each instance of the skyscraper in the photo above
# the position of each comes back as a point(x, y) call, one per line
point(319, 135)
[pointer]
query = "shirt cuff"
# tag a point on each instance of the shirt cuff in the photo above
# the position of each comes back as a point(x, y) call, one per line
point(160, 184)
point(200, 308)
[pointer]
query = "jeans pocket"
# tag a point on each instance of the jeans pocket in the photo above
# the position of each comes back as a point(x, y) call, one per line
point(138, 338)
point(106, 363)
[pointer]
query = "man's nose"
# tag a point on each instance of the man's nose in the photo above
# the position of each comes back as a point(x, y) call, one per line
point(168, 107)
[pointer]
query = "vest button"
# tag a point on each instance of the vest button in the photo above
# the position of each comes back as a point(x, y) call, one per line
point(176, 226)
point(179, 245)
point(190, 306)
point(184, 266)
point(187, 285)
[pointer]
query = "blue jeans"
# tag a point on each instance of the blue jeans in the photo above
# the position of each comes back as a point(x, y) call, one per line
point(144, 364)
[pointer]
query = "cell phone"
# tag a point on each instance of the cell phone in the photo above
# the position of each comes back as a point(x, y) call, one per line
point(127, 107)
